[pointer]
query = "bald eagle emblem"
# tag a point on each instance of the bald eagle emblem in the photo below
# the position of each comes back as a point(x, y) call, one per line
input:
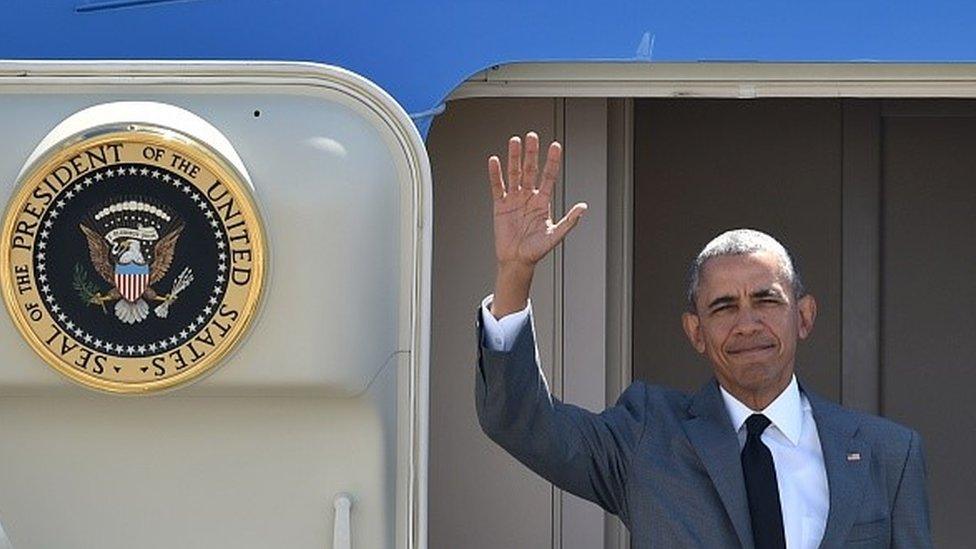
point(132, 245)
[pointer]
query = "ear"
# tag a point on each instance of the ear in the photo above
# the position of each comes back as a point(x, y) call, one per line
point(692, 325)
point(807, 307)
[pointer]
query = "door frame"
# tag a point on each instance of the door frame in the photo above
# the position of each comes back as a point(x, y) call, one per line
point(869, 90)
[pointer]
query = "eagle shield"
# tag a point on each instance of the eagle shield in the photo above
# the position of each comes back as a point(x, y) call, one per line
point(131, 280)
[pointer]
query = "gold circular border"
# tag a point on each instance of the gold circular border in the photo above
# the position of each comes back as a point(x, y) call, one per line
point(194, 150)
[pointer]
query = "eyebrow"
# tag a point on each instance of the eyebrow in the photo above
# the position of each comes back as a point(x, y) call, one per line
point(724, 300)
point(767, 292)
point(758, 294)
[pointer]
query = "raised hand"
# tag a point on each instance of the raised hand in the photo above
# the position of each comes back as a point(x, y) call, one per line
point(524, 229)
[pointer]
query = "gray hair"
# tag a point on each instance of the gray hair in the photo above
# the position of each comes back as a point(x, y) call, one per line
point(743, 242)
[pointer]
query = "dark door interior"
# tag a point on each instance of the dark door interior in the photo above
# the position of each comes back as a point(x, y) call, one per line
point(929, 297)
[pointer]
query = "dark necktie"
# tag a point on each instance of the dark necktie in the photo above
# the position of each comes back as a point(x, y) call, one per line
point(760, 475)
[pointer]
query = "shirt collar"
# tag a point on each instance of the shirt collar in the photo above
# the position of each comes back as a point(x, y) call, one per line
point(785, 412)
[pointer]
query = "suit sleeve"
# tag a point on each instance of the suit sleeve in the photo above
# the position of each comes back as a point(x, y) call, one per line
point(582, 452)
point(910, 512)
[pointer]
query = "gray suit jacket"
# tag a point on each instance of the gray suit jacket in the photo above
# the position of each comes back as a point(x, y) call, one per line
point(668, 463)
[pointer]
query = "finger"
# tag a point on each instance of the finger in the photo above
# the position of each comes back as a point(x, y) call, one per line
point(551, 171)
point(568, 221)
point(514, 163)
point(530, 169)
point(495, 180)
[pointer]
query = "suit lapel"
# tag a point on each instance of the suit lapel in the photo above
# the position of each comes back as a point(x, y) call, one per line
point(710, 431)
point(846, 459)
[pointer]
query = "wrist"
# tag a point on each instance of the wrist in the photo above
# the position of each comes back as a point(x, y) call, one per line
point(515, 271)
point(512, 283)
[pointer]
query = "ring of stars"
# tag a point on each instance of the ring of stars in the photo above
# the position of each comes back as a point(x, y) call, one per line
point(185, 333)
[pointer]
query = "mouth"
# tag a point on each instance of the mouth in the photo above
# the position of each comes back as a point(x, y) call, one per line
point(758, 348)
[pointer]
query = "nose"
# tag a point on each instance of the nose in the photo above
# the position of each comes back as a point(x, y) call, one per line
point(747, 322)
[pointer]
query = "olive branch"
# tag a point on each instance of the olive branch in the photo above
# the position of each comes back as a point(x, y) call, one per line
point(86, 289)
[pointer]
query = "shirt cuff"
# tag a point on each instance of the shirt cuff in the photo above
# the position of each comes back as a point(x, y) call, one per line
point(500, 333)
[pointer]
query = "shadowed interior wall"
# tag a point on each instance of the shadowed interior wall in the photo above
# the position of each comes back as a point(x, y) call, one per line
point(928, 297)
point(480, 497)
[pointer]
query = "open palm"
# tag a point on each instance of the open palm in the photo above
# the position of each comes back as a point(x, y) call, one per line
point(524, 229)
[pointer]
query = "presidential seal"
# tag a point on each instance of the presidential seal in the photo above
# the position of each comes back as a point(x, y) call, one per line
point(132, 258)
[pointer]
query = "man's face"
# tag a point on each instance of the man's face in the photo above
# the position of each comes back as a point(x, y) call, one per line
point(748, 322)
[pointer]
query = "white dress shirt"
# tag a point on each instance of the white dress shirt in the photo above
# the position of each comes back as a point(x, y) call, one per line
point(500, 333)
point(800, 472)
point(792, 439)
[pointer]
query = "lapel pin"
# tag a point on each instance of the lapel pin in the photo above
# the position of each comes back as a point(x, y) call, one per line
point(854, 456)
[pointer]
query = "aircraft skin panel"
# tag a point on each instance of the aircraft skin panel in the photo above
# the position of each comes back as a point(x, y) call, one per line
point(326, 394)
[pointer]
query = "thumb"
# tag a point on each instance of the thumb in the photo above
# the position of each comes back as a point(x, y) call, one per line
point(568, 221)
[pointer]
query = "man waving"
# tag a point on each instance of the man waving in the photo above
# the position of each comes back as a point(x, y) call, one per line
point(753, 459)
